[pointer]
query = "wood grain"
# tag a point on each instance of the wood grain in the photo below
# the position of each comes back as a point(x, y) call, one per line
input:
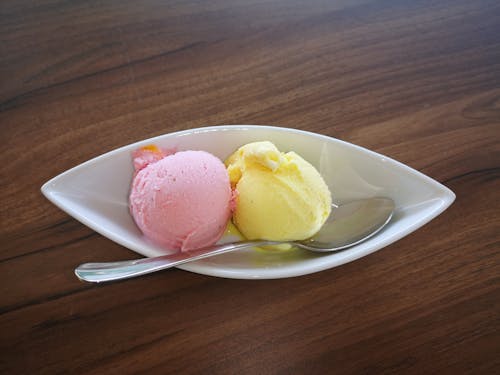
point(418, 81)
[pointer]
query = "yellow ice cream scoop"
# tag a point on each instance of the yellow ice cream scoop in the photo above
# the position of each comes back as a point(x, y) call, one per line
point(280, 196)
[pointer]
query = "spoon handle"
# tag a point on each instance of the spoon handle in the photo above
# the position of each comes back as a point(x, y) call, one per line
point(110, 271)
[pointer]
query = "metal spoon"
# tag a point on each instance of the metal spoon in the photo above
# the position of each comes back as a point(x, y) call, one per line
point(348, 225)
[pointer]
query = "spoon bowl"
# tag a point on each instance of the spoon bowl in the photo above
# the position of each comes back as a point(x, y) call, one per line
point(348, 225)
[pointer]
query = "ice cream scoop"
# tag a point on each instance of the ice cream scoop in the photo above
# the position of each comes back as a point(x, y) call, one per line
point(280, 196)
point(348, 225)
point(181, 200)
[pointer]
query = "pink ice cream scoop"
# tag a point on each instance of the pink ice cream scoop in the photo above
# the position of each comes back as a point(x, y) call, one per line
point(181, 201)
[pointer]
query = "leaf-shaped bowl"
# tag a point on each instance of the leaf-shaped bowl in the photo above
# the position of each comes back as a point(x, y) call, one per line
point(96, 194)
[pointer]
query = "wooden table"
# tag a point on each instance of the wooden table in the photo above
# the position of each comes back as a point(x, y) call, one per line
point(418, 81)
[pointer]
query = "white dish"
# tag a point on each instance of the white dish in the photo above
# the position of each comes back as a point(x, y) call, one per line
point(96, 194)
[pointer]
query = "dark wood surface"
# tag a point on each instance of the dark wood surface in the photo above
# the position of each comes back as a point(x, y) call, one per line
point(418, 81)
